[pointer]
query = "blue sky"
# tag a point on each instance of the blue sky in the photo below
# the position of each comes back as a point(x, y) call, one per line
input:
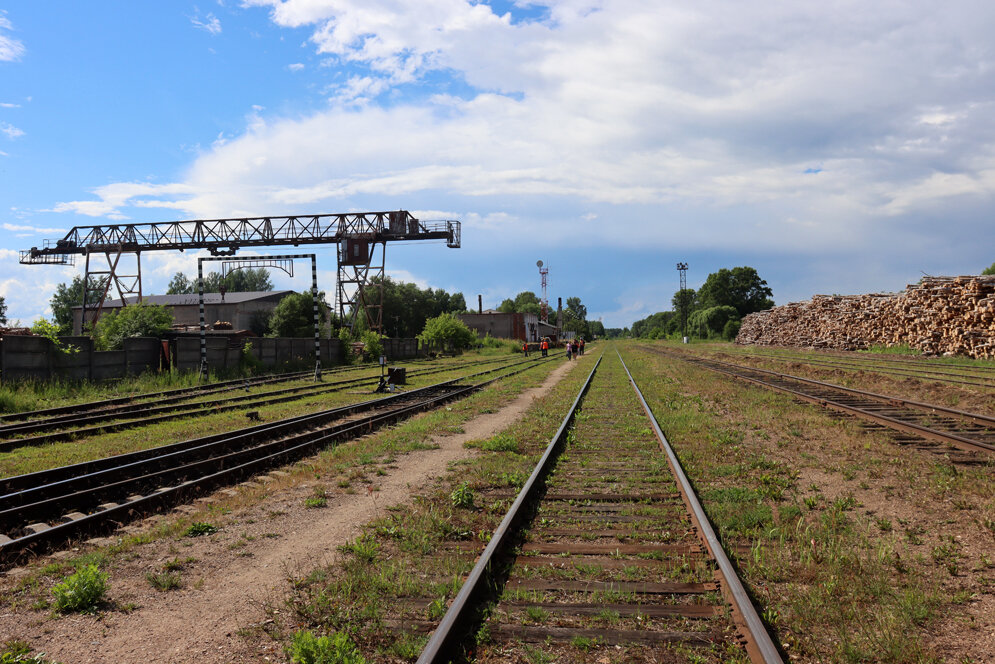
point(837, 147)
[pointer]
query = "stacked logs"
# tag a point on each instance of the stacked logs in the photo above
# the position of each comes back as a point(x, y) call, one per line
point(937, 316)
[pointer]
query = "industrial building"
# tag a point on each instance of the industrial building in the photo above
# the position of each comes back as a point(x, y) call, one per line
point(500, 325)
point(239, 309)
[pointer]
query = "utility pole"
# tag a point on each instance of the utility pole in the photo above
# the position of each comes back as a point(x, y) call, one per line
point(683, 269)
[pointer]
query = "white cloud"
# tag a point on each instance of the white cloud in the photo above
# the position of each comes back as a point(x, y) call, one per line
point(10, 49)
point(30, 229)
point(115, 196)
point(296, 66)
point(10, 130)
point(210, 23)
point(9, 105)
point(647, 115)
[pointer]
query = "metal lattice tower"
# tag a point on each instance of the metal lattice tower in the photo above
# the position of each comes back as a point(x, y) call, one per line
point(356, 234)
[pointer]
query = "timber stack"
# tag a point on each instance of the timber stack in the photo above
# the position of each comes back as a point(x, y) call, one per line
point(937, 316)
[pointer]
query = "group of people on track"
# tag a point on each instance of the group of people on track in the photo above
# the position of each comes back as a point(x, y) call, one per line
point(574, 347)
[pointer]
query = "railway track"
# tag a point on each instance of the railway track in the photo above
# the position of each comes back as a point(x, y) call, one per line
point(46, 509)
point(916, 422)
point(107, 418)
point(905, 368)
point(605, 545)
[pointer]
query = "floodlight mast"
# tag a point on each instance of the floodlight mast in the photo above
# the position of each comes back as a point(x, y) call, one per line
point(357, 234)
point(683, 269)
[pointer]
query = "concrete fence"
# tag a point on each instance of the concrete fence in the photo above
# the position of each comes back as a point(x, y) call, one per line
point(37, 358)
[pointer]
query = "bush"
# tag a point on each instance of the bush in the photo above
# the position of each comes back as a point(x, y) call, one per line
point(134, 320)
point(306, 648)
point(447, 329)
point(81, 591)
point(731, 329)
point(372, 345)
point(711, 320)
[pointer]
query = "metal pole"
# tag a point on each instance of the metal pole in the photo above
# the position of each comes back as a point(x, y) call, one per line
point(314, 296)
point(682, 268)
point(203, 329)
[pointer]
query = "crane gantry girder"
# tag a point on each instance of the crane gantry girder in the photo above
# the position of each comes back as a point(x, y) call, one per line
point(226, 236)
point(356, 233)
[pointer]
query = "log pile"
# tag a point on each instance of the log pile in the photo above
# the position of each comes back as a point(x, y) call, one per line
point(937, 316)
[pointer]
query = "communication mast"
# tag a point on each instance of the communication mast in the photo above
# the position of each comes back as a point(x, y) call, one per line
point(543, 303)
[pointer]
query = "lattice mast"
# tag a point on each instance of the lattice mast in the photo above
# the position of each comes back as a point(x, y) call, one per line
point(543, 303)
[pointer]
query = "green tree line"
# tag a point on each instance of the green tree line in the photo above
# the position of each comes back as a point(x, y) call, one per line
point(713, 311)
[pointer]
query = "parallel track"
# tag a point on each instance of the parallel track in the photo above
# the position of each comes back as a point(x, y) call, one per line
point(971, 432)
point(611, 543)
point(905, 368)
point(42, 510)
point(92, 421)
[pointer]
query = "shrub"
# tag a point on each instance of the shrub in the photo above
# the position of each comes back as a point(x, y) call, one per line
point(81, 591)
point(306, 648)
point(447, 329)
point(134, 320)
point(50, 331)
point(731, 329)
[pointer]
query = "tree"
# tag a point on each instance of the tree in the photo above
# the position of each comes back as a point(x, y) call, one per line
point(68, 296)
point(406, 307)
point(134, 320)
point(575, 317)
point(293, 315)
point(179, 285)
point(243, 280)
point(446, 329)
point(740, 287)
point(712, 321)
point(989, 270)
point(3, 311)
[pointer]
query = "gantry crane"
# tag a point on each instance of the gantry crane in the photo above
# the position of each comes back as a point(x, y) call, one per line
point(360, 236)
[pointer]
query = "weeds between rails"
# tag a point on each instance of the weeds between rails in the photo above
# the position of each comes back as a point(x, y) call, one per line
point(837, 580)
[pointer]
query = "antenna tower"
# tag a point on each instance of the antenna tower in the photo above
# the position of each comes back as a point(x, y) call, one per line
point(543, 303)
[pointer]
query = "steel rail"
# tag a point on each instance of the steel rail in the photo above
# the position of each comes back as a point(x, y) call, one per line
point(890, 359)
point(446, 638)
point(926, 374)
point(247, 462)
point(961, 442)
point(144, 414)
point(758, 642)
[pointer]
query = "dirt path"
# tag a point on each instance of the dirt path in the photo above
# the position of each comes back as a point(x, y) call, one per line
point(236, 572)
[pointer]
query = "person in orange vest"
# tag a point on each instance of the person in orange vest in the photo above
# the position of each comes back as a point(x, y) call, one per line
point(544, 346)
point(525, 348)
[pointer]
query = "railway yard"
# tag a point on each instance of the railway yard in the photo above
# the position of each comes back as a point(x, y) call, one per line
point(648, 502)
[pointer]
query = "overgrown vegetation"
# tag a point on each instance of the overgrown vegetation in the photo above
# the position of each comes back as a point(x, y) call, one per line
point(448, 331)
point(135, 320)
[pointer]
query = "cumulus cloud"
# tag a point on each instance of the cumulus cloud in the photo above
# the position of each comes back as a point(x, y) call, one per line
point(790, 126)
point(115, 196)
point(10, 49)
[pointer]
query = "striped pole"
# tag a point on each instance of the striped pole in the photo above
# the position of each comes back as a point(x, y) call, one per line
point(314, 296)
point(203, 334)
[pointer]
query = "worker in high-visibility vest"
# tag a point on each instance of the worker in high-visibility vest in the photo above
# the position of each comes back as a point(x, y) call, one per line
point(525, 348)
point(544, 346)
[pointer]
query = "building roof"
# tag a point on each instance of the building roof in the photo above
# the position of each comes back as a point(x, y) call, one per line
point(187, 299)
